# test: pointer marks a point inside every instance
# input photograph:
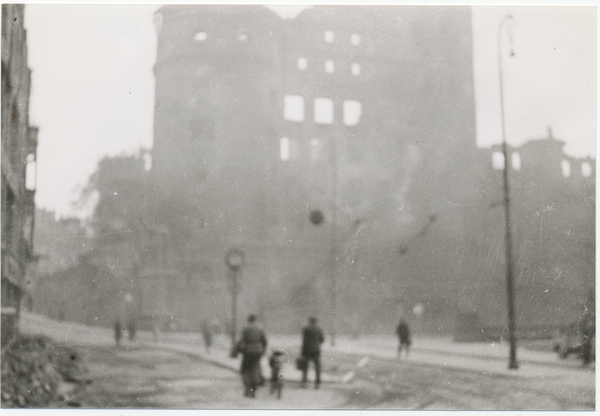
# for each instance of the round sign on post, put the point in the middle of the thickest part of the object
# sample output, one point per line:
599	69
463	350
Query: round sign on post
234	258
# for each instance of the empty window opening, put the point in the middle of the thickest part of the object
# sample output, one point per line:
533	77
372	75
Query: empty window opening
329	67
284	149
498	160
243	37
355	69
329	36
355	39
323	111
30	172
293	108
516	161
352	112
201	36
566	168
315	149
302	64
586	169
147	162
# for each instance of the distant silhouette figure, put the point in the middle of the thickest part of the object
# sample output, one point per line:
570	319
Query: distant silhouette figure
403	332
207	336
118	332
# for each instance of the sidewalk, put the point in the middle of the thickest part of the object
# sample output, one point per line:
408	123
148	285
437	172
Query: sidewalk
486	358
489	358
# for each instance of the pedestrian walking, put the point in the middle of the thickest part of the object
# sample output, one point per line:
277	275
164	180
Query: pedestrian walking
312	338
252	345
403	332
118	332
207	336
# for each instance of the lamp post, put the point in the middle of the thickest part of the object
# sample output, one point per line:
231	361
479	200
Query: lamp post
234	260
334	197
512	362
316	217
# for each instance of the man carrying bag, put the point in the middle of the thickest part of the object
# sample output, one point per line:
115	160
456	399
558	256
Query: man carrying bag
312	338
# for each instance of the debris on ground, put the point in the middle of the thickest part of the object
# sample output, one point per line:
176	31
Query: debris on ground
38	372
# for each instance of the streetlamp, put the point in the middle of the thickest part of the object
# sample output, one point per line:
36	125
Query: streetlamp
234	260
316	217
512	363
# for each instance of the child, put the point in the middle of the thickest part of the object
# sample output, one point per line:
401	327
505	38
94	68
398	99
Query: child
276	363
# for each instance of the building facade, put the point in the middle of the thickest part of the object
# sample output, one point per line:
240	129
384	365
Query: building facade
365	114
19	144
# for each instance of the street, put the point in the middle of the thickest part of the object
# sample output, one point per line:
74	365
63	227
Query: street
177	373
141	377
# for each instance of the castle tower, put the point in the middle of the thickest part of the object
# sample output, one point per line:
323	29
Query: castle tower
365	113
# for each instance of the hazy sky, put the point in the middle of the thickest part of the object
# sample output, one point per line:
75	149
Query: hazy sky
93	85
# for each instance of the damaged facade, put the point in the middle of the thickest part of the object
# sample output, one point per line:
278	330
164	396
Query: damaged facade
366	114
19	148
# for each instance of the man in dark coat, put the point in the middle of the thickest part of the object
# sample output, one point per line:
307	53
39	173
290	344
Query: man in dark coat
252	345
312	338
403	333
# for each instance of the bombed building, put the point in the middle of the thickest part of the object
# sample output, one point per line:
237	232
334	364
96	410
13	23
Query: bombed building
360	116
19	149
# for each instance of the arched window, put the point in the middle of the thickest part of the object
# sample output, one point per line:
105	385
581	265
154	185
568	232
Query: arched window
498	160
586	169
352	112
293	108
329	66
315	149
323	111
284	148
302	63
566	168
516	161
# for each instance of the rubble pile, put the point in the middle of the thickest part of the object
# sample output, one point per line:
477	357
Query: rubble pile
37	372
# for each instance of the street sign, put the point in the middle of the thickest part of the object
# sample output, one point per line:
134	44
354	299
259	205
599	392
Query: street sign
234	258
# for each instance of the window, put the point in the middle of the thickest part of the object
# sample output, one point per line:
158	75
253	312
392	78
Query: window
284	148
352	112
329	36
516	161
355	39
586	169
293	108
329	67
355	69
201	36
323	111
147	161
30	172
315	149
498	160
302	64
566	168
